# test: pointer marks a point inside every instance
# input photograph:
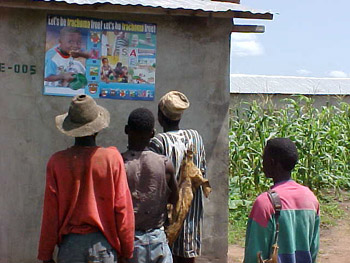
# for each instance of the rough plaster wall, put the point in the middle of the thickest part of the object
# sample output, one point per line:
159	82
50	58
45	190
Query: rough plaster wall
192	56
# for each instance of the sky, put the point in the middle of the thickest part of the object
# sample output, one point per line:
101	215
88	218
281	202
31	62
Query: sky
306	38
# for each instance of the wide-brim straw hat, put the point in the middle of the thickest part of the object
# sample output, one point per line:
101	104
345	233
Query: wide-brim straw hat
173	104
84	118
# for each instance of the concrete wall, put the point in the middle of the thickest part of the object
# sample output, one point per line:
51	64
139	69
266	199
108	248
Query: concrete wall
192	56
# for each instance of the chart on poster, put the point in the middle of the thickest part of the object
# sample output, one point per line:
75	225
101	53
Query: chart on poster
100	58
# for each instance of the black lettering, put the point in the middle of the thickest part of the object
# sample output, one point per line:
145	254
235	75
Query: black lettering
16	68
2	67
32	69
24	68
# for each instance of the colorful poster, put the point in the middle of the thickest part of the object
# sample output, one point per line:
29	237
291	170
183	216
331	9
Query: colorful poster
101	58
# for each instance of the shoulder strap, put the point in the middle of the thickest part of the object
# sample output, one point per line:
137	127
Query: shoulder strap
276	202
277	206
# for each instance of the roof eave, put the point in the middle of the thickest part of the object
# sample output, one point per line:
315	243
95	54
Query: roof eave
136	9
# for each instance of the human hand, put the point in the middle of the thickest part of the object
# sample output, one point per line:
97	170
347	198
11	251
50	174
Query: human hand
79	53
75	53
68	76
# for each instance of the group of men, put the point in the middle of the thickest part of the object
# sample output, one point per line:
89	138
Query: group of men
103	206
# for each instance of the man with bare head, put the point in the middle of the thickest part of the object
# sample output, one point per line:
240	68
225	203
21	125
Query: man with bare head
288	204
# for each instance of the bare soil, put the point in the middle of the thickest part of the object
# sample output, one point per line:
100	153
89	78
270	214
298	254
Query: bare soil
334	242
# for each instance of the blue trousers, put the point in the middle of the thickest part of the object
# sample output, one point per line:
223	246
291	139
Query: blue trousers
87	248
151	247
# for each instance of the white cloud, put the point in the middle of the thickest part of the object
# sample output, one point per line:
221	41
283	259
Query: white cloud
244	44
337	74
304	72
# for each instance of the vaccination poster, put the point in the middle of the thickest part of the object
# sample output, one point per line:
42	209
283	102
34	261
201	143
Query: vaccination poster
100	58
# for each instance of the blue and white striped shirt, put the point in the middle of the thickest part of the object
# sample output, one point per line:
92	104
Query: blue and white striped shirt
174	145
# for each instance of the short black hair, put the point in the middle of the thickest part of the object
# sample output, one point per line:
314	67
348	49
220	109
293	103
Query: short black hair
141	120
103	59
67	30
284	151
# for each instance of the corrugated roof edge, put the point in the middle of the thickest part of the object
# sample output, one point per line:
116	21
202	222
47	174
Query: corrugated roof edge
238	12
287	85
234	75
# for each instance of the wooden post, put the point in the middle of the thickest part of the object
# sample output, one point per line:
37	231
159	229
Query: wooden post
248	28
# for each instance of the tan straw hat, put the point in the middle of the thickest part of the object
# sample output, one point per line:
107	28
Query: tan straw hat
173	104
84	118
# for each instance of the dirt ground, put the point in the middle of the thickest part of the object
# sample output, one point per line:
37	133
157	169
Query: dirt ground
334	242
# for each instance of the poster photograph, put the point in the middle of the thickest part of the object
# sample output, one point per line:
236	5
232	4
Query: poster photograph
100	58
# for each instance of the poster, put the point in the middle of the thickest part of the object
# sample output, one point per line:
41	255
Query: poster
100	58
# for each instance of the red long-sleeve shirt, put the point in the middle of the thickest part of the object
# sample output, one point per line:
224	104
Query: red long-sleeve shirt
87	191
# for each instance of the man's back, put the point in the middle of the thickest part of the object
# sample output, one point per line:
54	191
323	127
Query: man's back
174	145
86	192
146	172
299	225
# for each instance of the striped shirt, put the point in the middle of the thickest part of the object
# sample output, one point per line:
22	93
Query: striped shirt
174	145
299	223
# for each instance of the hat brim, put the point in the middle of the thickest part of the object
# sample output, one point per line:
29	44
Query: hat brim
67	127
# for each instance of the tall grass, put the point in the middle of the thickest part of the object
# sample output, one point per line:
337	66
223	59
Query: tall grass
322	137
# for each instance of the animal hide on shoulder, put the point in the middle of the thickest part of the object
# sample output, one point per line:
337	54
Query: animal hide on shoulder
191	179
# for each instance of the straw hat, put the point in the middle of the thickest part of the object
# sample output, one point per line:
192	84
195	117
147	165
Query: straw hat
84	117
173	104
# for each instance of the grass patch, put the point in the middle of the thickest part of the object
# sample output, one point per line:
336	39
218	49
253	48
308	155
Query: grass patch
331	208
330	213
238	218
236	231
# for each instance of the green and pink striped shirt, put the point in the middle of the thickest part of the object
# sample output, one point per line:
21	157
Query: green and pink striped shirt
299	225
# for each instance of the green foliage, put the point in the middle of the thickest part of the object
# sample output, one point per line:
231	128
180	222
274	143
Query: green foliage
322	137
333	207
330	213
238	217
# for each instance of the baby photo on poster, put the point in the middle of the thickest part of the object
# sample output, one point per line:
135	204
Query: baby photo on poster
101	58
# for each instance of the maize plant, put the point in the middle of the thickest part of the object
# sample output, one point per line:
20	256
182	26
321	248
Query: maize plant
322	137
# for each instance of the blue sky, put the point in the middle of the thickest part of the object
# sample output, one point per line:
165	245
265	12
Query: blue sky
307	38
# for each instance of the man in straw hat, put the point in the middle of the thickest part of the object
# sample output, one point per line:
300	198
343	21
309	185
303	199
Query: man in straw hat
88	209
174	143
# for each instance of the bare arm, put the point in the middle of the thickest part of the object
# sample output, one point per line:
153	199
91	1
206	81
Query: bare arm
124	211
68	76
170	174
